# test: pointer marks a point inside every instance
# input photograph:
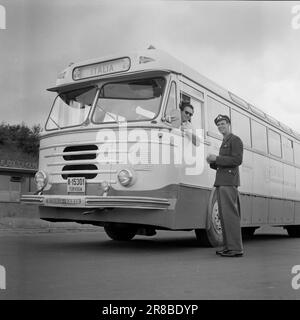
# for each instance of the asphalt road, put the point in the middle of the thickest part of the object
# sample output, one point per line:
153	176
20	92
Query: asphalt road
170	265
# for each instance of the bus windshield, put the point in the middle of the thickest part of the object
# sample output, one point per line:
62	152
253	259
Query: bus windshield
71	108
131	100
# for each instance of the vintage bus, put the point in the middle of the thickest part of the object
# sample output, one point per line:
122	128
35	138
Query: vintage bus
82	176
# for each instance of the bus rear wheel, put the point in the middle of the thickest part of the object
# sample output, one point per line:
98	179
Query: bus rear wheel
212	235
293	231
120	231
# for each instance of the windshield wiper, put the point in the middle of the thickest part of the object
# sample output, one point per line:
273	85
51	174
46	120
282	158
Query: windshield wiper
55	123
108	113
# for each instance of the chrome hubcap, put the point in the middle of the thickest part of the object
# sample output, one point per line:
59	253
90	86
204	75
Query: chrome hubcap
216	218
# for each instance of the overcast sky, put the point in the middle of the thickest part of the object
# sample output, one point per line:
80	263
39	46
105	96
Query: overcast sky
249	48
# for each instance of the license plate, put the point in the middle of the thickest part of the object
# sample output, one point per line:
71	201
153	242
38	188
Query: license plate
76	184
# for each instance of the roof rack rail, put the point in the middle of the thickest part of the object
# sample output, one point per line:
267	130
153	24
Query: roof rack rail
238	100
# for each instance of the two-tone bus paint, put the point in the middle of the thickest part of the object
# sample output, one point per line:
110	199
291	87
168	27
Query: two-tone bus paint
158	196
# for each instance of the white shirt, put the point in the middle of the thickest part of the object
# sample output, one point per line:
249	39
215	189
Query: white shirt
189	130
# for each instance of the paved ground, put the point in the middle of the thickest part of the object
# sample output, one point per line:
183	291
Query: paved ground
75	264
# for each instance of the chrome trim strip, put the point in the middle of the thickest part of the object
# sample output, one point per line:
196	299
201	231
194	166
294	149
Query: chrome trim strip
98	143
98	202
70	162
81	172
67	162
72	153
95	181
32	198
244	193
129	206
128	199
195	186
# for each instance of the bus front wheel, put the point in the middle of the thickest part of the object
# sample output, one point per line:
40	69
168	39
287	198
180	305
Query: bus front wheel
212	236
293	231
120	231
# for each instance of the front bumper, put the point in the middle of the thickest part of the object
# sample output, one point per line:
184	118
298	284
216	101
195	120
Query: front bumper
98	201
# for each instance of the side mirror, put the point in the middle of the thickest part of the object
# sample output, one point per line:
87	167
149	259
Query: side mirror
174	118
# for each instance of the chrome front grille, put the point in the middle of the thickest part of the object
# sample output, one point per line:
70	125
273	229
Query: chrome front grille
83	170
89	161
84	152
80	154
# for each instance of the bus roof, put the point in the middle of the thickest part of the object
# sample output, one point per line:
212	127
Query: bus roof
89	72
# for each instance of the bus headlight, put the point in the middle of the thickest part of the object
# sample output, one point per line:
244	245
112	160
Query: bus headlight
41	179
125	177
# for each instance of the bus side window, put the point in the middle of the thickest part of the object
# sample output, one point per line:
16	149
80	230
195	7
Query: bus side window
197	119
214	108
288	151
274	143
259	136
184	98
241	126
297	153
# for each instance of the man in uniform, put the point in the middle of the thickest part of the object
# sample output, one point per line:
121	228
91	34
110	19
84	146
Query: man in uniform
227	181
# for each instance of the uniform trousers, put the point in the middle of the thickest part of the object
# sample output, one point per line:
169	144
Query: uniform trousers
230	216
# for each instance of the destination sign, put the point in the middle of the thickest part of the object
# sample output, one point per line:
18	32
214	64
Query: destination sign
102	68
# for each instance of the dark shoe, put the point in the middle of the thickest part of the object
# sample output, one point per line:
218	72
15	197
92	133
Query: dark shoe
230	253
219	252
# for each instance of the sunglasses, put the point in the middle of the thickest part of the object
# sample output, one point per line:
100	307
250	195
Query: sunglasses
188	113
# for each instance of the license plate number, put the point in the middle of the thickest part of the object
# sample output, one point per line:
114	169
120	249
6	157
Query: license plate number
76	184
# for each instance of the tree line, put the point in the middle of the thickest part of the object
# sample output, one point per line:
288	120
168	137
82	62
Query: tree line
20	137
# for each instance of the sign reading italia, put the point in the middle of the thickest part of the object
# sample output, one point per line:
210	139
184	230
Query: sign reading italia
101	68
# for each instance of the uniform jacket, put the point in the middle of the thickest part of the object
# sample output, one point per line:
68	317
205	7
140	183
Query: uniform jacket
228	162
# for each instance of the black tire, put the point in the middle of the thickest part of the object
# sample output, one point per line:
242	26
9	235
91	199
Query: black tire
248	232
293	231
212	236
120	231
202	238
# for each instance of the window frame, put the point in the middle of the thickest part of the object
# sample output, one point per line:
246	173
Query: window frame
184	92
87	117
166	79
280	143
169	93
297	163
215	134
283	153
249	120
252	137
